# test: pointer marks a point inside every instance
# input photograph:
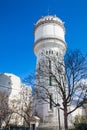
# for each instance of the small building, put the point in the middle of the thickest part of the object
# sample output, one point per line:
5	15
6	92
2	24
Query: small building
19	97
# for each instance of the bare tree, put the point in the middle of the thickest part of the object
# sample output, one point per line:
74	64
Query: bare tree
67	79
75	88
22	108
5	111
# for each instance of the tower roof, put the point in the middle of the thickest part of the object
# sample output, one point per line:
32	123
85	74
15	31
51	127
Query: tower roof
49	19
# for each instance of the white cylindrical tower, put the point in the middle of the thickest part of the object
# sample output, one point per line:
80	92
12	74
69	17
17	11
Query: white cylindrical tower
49	40
49	34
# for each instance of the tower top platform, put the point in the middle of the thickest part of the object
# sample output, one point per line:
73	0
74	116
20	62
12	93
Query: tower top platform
49	32
49	19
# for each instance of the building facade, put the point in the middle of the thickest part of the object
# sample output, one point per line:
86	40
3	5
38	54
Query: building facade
19	96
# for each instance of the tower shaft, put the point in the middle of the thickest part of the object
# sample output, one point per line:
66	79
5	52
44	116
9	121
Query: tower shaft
49	46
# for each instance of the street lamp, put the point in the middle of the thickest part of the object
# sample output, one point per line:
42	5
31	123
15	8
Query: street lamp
58	106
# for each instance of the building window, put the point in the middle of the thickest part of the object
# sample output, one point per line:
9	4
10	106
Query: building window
46	52
49	51
50	80
49	65
50	98
50	77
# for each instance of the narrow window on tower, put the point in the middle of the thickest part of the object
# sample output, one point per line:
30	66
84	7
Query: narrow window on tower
50	52
50	80
50	77
50	98
49	65
46	52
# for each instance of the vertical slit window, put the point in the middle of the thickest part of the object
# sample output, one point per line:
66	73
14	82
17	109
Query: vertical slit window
50	80
50	77
46	52
50	101
49	51
49	65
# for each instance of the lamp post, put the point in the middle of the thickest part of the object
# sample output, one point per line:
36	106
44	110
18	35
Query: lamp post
58	107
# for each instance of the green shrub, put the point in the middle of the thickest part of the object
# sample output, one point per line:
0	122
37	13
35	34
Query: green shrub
79	119
81	126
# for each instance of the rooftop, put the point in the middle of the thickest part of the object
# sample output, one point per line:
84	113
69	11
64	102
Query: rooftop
49	19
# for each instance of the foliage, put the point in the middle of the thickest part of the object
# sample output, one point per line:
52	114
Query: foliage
24	110
80	122
79	119
81	126
5	111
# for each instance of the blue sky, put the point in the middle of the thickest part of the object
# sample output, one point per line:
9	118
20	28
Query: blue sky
17	18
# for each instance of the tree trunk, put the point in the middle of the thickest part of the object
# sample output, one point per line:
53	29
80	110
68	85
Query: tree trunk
65	118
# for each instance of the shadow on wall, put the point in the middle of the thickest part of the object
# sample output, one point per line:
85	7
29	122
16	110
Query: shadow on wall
5	91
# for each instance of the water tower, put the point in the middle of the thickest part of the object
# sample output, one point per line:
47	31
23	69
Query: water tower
49	41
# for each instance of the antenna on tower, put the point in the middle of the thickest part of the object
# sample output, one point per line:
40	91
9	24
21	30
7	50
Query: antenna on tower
48	11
